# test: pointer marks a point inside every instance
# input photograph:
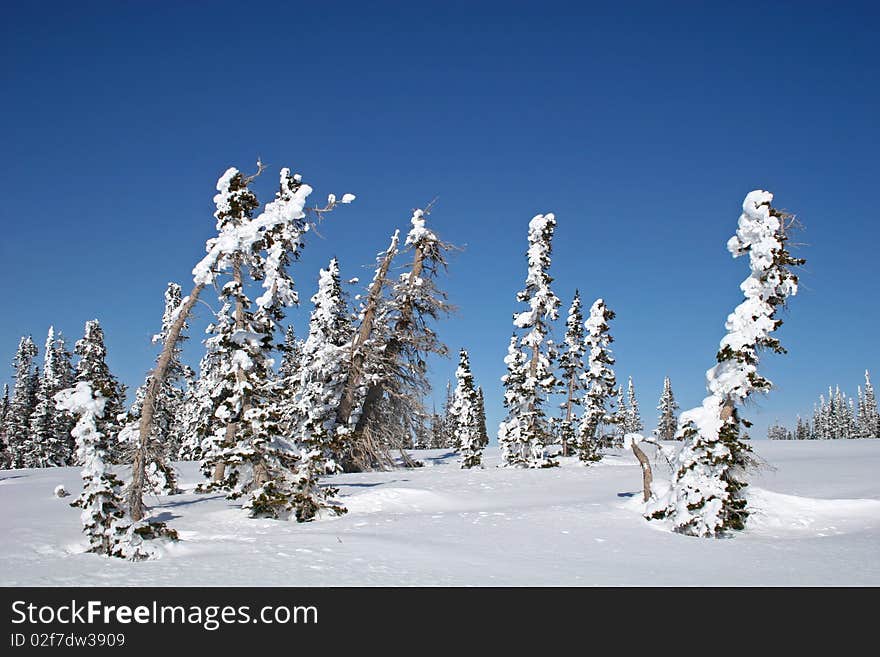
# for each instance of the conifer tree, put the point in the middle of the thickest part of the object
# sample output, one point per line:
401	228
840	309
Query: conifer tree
481	415
620	420
466	411
324	367
869	416
634	422
599	381
92	368
21	406
46	448
667	422
104	520
4	410
66	375
706	497
571	362
523	434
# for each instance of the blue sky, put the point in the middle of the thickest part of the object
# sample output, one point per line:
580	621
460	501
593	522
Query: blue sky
641	126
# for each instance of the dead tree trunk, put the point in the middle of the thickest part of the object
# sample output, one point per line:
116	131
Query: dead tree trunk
376	391
148	408
355	375
647	474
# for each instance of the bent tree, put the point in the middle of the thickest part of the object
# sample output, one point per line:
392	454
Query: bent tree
707	494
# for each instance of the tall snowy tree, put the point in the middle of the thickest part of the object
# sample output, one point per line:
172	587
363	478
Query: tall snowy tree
92	368
5	457
481	416
869	417
21	406
599	381
524	432
466	411
571	362
45	447
706	497
324	367
667	422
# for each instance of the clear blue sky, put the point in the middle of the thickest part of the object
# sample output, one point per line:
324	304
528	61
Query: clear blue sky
641	125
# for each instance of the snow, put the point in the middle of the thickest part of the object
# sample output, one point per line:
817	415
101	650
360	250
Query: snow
815	521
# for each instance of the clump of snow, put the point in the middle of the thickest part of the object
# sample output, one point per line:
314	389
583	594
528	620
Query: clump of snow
60	491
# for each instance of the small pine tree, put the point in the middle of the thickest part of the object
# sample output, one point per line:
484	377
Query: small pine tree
46	448
466	411
571	362
21	406
599	381
869	416
92	368
634	422
667	422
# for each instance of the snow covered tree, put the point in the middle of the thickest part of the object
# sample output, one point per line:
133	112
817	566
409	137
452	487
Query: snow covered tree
466	412
706	497
869	417
4	410
530	379
481	416
322	375
599	381
21	406
109	530
571	362
802	430
92	368
634	419
45	447
266	245
667	422
619	420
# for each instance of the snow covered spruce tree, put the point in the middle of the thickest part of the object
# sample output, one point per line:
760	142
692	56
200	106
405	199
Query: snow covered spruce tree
530	379
571	362
46	447
868	415
4	410
92	367
239	235
634	422
104	520
323	369
599	381
467	414
707	493
21	406
667	422
250	457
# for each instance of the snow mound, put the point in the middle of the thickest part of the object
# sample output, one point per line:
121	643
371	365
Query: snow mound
398	500
778	515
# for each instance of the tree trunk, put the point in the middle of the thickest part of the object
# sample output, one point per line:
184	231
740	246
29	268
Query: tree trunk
346	403
376	390
647	474
148	408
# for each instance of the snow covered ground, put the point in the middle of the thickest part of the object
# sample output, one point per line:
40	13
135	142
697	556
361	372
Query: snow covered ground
816	521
